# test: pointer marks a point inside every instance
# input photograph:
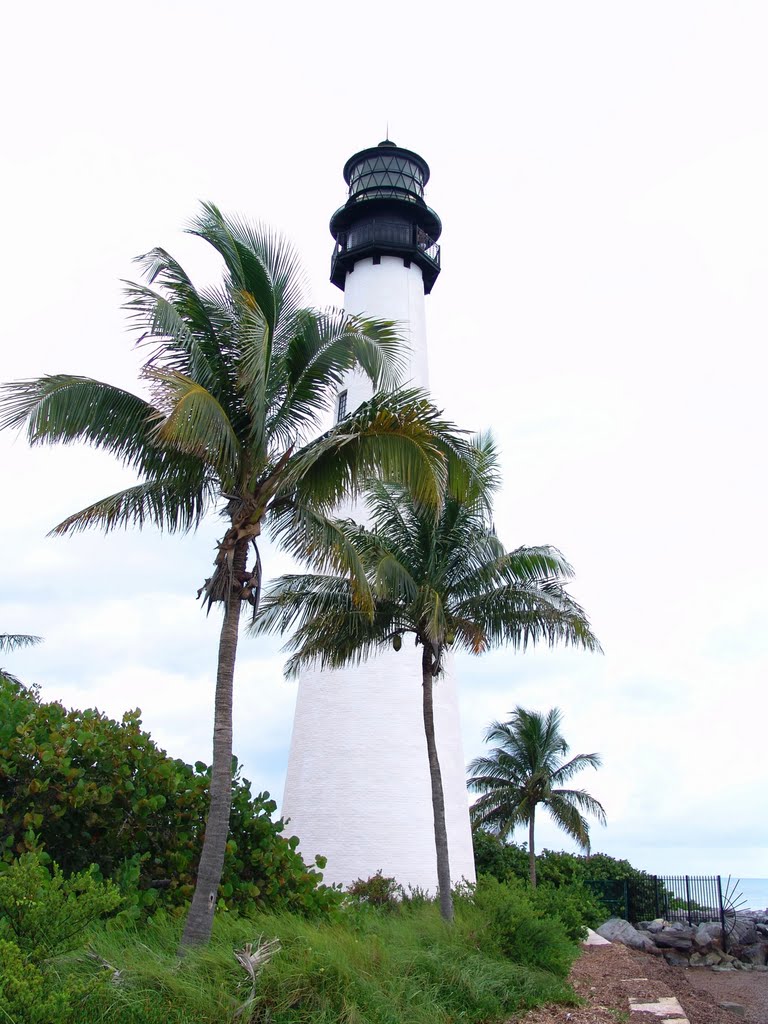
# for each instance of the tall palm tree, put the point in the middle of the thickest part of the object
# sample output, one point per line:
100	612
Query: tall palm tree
446	580
238	376
525	770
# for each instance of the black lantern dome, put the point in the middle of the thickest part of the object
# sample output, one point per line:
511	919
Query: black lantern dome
385	214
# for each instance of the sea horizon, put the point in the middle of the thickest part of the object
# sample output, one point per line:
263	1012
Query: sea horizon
747	893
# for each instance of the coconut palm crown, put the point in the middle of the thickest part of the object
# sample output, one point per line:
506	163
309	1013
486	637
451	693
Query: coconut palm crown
238	377
526	770
447	581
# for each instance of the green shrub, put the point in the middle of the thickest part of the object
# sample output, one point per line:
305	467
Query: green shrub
516	926
94	791
554	867
46	914
573	905
495	857
377	891
26	995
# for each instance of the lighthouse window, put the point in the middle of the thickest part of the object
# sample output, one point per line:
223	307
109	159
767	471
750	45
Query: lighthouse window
385	172
341	406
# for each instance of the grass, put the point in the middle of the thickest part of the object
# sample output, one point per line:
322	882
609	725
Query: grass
365	967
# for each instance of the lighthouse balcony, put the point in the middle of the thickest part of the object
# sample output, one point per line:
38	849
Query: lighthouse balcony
380	236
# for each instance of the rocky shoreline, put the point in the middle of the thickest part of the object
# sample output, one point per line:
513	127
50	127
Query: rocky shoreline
744	947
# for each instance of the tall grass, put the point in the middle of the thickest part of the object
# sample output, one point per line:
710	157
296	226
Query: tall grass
365	967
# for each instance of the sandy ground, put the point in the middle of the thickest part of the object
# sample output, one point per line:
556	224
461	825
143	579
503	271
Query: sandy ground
606	976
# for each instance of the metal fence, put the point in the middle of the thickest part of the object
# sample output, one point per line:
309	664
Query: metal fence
689	898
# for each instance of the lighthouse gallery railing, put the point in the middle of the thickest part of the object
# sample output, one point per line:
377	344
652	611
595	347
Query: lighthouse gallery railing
386	233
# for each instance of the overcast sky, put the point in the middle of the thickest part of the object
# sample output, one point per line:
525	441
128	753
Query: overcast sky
601	170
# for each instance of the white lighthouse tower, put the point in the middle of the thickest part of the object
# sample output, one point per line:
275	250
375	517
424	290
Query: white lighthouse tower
357	789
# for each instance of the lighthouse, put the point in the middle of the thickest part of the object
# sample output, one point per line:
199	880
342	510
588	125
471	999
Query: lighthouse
357	789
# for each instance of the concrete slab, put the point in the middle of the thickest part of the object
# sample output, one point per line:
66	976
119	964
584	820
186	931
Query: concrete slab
666	1007
593	939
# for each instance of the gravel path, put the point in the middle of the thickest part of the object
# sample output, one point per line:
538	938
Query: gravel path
606	976
745	987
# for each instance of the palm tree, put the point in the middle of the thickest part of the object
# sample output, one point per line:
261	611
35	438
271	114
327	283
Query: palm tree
448	581
525	770
238	376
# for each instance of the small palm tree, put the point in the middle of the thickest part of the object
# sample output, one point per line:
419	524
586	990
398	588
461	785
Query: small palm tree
448	581
238	376
525	770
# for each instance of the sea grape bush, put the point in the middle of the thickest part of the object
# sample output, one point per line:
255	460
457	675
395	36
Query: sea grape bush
99	795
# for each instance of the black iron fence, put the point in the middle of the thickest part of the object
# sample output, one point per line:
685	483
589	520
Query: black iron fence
688	898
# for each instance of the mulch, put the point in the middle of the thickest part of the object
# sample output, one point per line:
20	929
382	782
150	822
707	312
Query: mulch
604	977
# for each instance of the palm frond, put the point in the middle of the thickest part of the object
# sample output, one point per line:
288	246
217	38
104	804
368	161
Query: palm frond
324	347
567	818
253	363
329	627
167	504
166	327
195	423
398	436
583	800
324	543
14	641
259	261
575	765
62	408
520	615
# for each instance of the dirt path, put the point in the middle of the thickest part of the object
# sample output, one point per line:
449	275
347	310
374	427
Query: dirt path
607	976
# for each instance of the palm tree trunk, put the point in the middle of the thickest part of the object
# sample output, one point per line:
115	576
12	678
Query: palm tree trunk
438	801
531	850
197	930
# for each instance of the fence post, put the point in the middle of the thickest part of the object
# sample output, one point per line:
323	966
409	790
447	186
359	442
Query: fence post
722	913
688	897
656	894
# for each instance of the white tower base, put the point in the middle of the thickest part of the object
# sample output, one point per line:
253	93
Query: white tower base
358	788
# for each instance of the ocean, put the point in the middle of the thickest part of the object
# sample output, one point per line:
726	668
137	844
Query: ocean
753	892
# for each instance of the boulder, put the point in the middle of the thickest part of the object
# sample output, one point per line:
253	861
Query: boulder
675	958
616	929
652	926
756	953
675	937
708	934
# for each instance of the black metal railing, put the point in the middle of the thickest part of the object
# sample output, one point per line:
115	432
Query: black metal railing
389	234
690	898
